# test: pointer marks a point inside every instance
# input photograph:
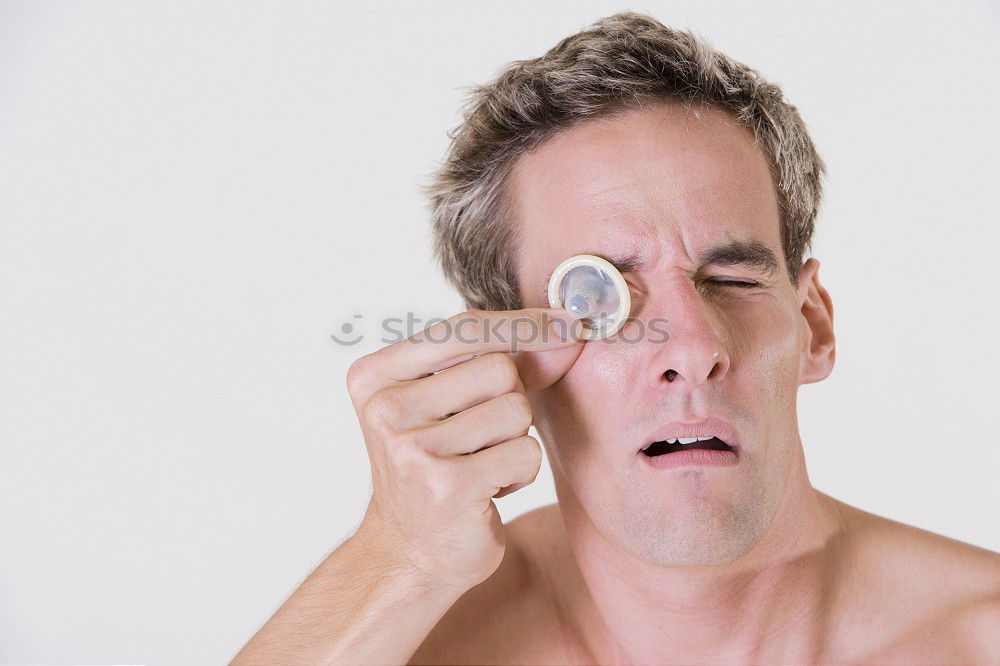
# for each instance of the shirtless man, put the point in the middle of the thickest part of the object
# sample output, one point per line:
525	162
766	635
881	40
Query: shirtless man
634	142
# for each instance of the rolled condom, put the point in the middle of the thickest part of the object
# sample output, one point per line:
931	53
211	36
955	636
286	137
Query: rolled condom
593	291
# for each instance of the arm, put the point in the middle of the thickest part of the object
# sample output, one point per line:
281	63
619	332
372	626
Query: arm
361	605
445	424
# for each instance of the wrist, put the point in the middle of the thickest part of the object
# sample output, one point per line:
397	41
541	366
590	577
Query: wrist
403	563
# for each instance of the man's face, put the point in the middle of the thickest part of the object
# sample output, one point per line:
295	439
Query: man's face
660	188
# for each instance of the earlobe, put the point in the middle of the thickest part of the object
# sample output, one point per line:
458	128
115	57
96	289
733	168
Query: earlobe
819	343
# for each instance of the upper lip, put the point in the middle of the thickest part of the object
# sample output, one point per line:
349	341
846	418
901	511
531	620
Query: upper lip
710	426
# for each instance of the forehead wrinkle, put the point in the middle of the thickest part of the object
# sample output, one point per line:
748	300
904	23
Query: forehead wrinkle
664	200
633	231
608	193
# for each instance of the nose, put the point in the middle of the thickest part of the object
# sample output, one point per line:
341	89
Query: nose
694	350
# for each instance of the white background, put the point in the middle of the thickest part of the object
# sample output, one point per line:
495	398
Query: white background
192	199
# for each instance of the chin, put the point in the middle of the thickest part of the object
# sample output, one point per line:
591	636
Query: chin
692	536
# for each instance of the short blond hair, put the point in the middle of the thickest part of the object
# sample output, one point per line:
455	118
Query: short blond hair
620	62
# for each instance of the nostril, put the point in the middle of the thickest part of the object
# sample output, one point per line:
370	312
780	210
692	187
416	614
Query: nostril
719	367
670	375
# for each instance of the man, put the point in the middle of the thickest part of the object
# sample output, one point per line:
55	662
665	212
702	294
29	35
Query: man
690	173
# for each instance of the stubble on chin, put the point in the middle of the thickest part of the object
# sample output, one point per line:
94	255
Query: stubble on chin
698	528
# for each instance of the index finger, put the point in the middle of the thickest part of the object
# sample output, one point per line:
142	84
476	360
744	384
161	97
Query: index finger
476	332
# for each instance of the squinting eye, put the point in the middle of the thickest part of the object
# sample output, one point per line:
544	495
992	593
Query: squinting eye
736	283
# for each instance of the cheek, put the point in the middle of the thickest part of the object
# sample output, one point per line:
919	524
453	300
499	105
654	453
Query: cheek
589	404
768	353
605	372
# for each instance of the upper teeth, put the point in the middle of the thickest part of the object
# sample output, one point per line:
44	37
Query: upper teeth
688	440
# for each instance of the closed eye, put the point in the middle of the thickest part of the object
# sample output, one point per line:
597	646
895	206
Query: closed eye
740	284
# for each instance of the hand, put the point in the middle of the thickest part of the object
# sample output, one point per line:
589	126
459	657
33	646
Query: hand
445	418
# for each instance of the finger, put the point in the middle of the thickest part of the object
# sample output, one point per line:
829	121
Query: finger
541	369
474	333
516	461
420	402
497	420
513	488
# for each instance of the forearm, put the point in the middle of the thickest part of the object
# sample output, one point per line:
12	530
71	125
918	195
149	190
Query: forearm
360	606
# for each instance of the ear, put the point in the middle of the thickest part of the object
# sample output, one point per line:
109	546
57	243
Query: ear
818	342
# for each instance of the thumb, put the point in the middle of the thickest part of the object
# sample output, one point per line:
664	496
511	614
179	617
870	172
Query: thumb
541	369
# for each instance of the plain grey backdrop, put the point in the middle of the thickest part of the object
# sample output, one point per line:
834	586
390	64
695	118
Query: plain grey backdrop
194	197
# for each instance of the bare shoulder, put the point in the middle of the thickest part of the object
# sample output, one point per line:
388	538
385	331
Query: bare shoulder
511	616
932	595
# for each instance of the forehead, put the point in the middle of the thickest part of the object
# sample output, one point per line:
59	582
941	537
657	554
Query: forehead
661	182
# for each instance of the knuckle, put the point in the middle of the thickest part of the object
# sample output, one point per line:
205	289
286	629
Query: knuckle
371	414
518	408
408	463
436	331
468	324
381	409
531	451
412	441
443	486
392	401
503	370
429	478
363	375
357	372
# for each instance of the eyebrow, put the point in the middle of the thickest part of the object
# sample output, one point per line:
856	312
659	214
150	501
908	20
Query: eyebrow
751	254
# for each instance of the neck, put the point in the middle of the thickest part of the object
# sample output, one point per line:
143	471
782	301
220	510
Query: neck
768	605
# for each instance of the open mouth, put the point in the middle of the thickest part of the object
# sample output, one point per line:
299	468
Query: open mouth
667	446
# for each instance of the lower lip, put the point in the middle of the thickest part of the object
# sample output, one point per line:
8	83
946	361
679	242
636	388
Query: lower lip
691	458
